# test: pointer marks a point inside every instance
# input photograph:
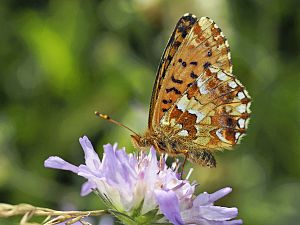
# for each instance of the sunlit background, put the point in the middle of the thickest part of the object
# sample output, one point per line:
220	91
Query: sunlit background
61	60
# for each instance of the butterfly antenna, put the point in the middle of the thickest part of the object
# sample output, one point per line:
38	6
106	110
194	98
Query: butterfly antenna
106	117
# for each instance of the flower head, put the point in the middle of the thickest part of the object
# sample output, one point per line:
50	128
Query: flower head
142	189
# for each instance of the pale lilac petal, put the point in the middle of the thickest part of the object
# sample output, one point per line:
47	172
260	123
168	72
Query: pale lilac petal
152	166
208	213
152	153
91	157
216	212
87	188
56	162
207	199
233	222
117	174
127	172
109	162
169	206
87	173
200	221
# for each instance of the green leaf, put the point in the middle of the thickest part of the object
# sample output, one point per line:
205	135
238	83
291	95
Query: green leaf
123	218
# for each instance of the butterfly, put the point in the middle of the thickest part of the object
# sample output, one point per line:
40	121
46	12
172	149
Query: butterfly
197	106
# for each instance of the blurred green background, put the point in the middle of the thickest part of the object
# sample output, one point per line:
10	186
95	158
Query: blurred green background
61	60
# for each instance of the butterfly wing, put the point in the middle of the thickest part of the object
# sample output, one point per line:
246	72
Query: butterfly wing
182	28
194	46
211	114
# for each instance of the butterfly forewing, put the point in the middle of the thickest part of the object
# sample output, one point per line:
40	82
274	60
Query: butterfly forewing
203	46
182	29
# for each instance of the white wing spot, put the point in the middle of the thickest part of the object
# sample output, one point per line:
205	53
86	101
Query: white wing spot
241	95
164	122
214	70
232	84
173	124
221	76
241	108
182	103
220	136
190	105
203	90
200	116
237	135
201	86
183	133
199	83
241	122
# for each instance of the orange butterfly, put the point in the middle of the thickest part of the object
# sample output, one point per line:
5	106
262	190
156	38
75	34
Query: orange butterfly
197	105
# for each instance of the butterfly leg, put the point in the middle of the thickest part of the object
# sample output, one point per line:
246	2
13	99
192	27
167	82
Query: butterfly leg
185	152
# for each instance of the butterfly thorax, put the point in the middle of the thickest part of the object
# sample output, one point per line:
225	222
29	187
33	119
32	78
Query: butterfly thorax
162	142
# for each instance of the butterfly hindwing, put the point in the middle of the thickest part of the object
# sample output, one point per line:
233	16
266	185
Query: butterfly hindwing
212	113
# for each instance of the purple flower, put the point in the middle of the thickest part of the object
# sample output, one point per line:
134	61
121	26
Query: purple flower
140	188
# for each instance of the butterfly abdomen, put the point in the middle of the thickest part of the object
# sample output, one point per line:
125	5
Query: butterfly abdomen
202	157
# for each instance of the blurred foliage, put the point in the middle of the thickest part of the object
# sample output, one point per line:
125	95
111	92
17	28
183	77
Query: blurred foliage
61	60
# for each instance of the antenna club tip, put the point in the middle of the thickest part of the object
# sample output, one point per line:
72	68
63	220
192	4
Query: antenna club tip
103	116
106	117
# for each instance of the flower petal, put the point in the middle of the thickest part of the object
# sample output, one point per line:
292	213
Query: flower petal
233	222
56	162
211	214
169	206
110	163
201	221
87	188
207	199
91	157
216	212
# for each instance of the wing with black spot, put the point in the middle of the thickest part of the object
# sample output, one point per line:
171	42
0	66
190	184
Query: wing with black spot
182	28
194	46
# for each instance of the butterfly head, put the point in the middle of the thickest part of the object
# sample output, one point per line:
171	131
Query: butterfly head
140	142
150	139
